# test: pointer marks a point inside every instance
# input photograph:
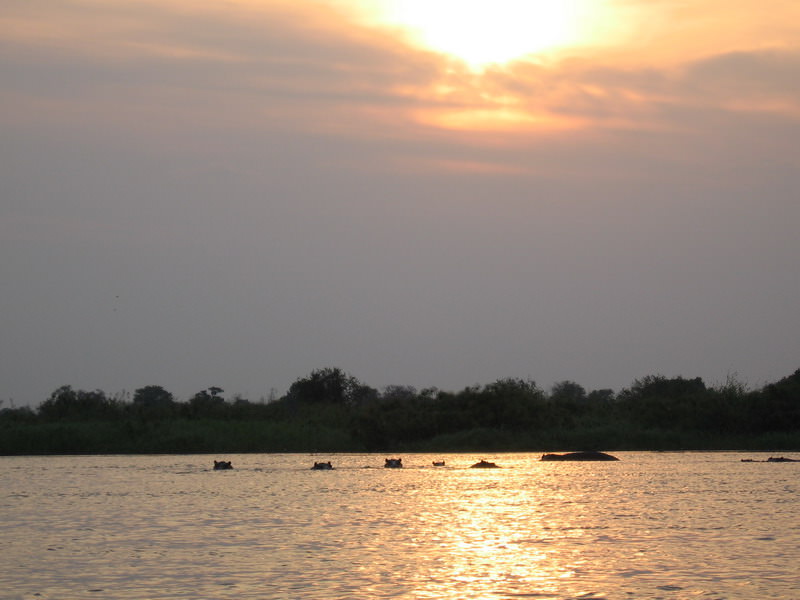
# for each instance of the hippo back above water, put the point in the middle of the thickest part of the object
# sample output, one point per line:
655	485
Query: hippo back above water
579	456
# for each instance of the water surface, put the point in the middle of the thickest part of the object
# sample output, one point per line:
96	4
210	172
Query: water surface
654	525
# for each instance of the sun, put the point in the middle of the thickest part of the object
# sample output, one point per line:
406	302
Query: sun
483	32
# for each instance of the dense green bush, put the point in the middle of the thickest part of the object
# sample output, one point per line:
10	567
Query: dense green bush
331	411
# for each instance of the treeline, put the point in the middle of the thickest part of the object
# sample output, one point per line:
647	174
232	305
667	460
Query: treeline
332	411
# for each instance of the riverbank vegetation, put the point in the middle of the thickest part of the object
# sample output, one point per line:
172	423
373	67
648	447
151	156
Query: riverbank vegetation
332	411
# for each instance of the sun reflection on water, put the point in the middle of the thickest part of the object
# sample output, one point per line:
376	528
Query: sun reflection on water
646	527
487	539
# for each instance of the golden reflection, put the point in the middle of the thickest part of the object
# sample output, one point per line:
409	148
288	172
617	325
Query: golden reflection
496	542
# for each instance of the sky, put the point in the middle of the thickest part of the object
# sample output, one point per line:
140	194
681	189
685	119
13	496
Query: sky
200	193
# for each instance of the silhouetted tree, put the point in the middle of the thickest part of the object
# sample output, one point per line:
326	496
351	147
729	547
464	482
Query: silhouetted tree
207	404
154	402
603	397
508	403
658	386
399	392
152	396
21	414
66	403
567	392
777	406
665	403
330	386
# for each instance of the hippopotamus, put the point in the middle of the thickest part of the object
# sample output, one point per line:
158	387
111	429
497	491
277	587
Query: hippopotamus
579	456
394	463
222	464
484	464
322	466
438	463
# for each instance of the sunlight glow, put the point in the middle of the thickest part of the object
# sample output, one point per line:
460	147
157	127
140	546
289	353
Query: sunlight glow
495	119
481	33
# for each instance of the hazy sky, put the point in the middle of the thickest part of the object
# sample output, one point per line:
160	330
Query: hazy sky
234	193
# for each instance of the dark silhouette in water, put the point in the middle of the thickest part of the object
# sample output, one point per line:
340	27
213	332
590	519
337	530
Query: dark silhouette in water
322	466
438	463
394	463
772	459
484	464
579	456
220	465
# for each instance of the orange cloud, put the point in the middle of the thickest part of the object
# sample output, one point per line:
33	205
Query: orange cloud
312	67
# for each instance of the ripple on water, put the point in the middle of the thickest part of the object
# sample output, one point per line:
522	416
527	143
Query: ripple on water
651	526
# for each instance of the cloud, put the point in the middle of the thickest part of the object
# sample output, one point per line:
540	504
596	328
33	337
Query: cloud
255	65
759	81
299	67
601	92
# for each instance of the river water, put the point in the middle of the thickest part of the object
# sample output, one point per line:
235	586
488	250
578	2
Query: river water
653	525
